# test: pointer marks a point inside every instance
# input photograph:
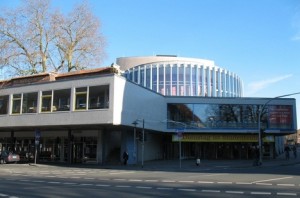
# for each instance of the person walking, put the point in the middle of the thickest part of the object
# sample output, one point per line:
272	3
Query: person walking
125	157
287	152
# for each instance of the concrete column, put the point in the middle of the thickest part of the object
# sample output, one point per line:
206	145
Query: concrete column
99	157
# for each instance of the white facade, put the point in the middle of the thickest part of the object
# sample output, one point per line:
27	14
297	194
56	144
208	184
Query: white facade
178	76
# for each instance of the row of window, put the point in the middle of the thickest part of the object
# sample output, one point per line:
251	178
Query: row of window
229	116
186	80
85	98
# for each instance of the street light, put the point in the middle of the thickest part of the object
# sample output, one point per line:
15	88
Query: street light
143	137
259	125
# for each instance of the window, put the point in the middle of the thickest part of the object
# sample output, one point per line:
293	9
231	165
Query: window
81	98
29	102
46	101
16	103
3	104
61	100
99	97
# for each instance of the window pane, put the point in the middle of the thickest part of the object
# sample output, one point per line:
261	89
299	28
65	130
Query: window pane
29	102
61	100
99	97
46	101
81	94
3	104
16	106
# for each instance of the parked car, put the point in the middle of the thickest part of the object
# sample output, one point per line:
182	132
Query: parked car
9	157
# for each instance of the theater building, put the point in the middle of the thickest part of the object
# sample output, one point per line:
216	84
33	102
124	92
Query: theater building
93	116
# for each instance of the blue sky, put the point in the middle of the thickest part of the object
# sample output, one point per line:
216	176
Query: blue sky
259	40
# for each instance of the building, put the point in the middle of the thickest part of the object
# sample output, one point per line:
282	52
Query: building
93	116
179	76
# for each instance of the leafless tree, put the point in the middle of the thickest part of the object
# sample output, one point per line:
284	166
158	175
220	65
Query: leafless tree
35	38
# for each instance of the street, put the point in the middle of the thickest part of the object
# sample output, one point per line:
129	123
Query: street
23	180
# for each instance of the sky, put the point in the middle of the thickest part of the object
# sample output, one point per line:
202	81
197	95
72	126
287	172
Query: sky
259	40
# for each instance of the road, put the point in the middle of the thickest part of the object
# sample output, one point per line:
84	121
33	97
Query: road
23	180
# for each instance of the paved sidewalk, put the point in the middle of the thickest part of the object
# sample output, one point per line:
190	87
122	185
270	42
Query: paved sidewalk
190	165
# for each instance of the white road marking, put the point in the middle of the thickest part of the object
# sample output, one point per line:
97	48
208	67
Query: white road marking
103	185
88	178
287	194
123	186
260	193
115	173
224	182
135	180
187	189
53	182
151	180
235	192
212	175
186	181
164	188
205	182
264	184
168	181
211	191
243	183
280	178
144	187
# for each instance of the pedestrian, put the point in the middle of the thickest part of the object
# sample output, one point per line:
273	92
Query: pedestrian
125	157
295	151
287	152
256	157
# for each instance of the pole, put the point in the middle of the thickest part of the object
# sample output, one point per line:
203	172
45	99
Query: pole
180	153
259	125
143	142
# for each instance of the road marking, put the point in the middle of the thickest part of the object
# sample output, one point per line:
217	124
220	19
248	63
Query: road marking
186	181
119	179
260	193
204	182
123	186
224	182
285	184
144	187
235	192
115	173
187	189
243	183
69	183
264	184
287	194
38	181
211	191
168	181
151	180
135	180
103	185
211	175
280	178
85	184
53	182
88	178
75	177
164	188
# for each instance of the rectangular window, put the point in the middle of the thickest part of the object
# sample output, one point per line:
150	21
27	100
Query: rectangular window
4	104
46	101
99	97
16	103
81	98
61	100
148	75
154	78
29	102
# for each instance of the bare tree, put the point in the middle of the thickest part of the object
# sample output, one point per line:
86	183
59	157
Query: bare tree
35	39
78	39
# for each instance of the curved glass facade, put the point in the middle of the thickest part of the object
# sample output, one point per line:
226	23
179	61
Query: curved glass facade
186	79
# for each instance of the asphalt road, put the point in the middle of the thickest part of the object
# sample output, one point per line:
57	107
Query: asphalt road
23	180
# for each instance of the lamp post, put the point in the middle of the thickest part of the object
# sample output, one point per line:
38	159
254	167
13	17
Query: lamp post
259	125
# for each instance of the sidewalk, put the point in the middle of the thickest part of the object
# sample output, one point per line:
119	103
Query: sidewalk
190	165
